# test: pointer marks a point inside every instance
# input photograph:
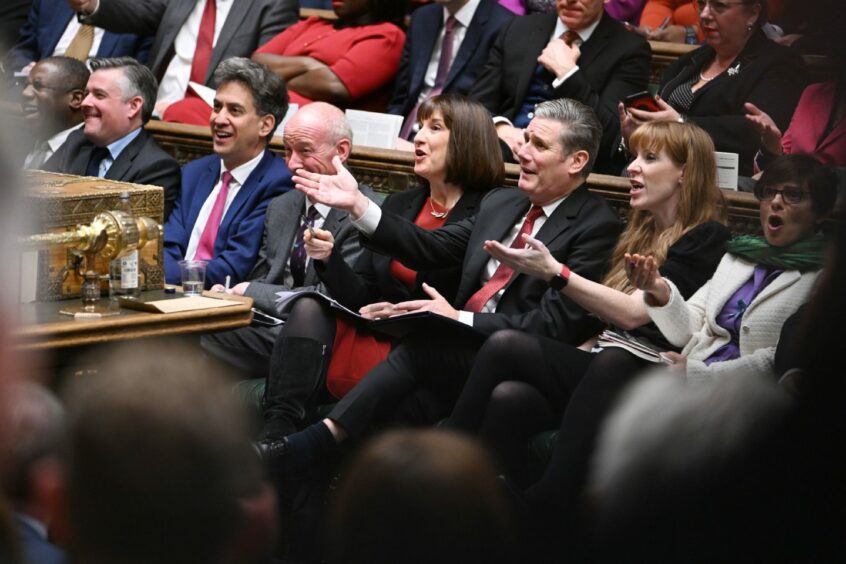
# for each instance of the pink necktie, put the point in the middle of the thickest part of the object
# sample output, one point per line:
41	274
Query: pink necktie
444	63
205	41
205	249
503	272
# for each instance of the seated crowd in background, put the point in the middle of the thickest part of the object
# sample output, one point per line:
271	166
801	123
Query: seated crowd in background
531	277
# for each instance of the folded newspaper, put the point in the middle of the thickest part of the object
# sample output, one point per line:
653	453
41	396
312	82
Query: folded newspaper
632	344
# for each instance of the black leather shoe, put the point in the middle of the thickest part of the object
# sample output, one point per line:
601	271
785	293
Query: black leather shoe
272	450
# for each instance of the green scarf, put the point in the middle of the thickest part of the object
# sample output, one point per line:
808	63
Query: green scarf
804	255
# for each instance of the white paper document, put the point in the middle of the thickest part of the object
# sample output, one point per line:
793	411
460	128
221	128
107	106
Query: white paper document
373	129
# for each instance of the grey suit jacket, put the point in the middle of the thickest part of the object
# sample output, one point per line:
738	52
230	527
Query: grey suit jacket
250	24
280	228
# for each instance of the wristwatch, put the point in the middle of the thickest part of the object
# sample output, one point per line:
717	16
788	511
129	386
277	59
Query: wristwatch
559	281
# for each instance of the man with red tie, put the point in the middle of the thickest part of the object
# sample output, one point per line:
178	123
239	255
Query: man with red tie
219	215
192	37
552	204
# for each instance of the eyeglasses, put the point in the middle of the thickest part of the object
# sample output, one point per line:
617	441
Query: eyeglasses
789	194
716	6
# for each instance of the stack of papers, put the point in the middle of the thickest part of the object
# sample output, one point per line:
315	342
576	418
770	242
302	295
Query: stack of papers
632	344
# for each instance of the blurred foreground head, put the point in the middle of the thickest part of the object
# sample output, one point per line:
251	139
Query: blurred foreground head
159	460
420	496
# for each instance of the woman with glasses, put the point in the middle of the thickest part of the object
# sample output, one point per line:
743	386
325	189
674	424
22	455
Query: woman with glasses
710	85
731	323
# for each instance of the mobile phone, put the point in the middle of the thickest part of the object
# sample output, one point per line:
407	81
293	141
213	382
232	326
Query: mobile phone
641	101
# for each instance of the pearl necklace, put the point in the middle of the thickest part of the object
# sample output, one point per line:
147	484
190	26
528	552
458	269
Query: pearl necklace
704	79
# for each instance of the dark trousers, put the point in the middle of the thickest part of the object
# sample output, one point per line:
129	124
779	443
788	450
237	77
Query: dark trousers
522	384
247	348
417	384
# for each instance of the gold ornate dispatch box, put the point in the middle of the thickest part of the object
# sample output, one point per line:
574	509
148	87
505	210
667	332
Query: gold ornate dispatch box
59	202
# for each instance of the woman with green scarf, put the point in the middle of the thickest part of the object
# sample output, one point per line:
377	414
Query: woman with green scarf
733	322
729	326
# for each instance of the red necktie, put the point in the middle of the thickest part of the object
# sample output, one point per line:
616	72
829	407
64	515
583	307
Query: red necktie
444	63
205	39
503	272
205	249
570	37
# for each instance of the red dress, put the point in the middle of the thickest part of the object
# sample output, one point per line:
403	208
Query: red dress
365	58
355	350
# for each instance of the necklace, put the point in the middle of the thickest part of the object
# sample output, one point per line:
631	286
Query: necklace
705	79
436	213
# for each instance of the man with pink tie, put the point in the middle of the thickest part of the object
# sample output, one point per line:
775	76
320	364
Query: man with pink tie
219	215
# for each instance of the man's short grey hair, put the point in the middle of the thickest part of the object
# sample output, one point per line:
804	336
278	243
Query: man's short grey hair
582	130
139	81
270	94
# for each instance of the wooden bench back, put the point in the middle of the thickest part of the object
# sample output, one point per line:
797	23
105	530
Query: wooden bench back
389	171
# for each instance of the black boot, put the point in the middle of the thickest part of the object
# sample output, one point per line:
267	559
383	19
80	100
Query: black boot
294	385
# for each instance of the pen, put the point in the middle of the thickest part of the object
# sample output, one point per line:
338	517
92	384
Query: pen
304	219
226	284
664	23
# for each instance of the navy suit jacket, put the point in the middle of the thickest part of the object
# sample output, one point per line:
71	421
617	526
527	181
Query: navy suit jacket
45	25
240	234
423	34
36	549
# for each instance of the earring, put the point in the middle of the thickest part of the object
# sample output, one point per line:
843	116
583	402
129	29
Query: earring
749	28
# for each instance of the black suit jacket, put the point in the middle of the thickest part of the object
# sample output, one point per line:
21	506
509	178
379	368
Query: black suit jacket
249	25
371	281
614	63
141	162
423	33
767	74
581	232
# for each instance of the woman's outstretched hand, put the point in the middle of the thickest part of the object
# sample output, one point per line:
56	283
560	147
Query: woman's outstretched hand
339	190
642	273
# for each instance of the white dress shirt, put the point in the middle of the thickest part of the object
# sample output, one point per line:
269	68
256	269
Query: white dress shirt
463	16
45	149
175	79
240	174
70	33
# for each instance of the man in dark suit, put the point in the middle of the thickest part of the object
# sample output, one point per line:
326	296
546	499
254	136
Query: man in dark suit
182	48
219	215
113	144
538	57
35	420
313	136
51	28
473	29
12	18
52	105
552	204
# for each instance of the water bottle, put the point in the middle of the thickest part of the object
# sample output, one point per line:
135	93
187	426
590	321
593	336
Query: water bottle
123	271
